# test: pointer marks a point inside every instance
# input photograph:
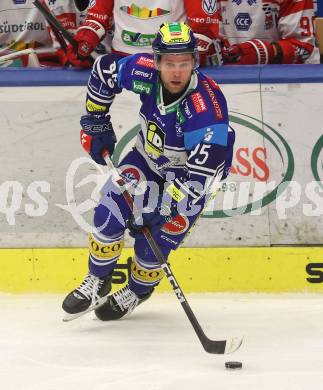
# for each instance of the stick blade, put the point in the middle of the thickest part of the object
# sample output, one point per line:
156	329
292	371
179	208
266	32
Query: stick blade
224	346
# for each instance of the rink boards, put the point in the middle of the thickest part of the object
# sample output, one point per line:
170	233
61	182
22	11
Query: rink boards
293	269
263	232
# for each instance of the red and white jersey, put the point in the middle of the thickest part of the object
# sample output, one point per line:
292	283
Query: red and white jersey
203	16
135	21
67	13
21	27
269	20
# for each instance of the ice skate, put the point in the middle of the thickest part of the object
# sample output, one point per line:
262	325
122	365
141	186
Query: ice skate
120	303
91	294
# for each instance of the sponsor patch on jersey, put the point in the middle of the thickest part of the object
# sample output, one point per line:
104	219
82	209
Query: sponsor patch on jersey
137	39
143	274
243	21
187	109
199	102
177	225
104	251
175	193
214	100
209	6
141	73
141	87
143	12
133	175
155	140
19	1
93	107
146	62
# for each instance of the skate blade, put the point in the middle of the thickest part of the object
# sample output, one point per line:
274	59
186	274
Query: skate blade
70	317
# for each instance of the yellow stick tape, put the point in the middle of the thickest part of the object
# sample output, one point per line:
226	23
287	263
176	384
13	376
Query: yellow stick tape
278	269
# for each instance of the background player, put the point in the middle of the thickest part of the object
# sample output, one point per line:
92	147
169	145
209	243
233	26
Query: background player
183	148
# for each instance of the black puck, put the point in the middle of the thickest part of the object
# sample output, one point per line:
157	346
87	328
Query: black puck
233	365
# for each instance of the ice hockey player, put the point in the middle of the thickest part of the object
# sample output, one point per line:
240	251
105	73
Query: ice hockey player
270	32
134	26
184	146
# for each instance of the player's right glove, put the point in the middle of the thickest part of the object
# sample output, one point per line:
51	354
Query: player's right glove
87	37
255	51
97	137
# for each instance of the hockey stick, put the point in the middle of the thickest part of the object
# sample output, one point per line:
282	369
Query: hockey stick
56	25
211	346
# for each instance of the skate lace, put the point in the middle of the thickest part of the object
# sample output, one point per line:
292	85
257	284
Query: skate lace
126	299
90	287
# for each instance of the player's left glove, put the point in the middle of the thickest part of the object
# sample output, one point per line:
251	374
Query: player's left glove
251	52
97	137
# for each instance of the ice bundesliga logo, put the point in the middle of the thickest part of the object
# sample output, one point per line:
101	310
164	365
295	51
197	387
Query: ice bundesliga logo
317	161
262	168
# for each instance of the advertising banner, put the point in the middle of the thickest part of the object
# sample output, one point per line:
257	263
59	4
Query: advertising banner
273	196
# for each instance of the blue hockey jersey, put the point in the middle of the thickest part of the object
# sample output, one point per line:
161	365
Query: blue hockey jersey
191	133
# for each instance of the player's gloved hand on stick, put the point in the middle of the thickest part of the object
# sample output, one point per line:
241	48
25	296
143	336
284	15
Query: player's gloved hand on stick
97	137
78	55
251	52
210	52
153	219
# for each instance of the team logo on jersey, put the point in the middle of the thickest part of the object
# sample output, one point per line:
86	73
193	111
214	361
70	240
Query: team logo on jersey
19	1
242	21
177	225
155	140
134	176
144	12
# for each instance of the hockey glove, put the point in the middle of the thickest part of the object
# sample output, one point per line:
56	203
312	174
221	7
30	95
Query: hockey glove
88	37
97	137
209	50
255	51
152	219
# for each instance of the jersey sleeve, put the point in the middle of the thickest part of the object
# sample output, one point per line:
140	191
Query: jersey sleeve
111	73
295	25
207	138
99	17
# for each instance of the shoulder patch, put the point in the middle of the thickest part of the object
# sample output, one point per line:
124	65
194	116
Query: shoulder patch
199	102
146	62
215	103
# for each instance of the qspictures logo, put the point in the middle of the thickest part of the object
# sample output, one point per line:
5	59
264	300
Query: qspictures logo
262	169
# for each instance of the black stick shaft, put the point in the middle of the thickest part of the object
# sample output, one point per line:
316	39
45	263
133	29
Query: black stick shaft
55	24
211	346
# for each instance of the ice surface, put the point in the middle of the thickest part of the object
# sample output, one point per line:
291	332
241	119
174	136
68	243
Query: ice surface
156	348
